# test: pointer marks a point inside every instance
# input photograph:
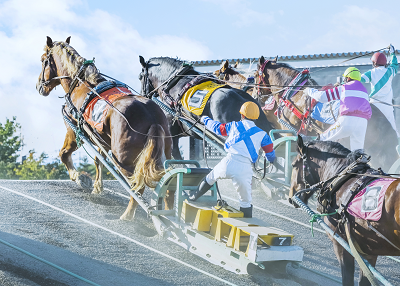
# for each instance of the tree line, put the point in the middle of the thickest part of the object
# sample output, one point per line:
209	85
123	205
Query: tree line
33	166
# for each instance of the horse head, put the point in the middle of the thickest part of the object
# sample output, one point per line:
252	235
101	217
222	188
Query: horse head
261	77
223	72
317	161
299	169
146	85
235	76
60	64
49	77
156	71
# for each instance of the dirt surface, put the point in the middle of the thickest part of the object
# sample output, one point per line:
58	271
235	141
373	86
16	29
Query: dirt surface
108	251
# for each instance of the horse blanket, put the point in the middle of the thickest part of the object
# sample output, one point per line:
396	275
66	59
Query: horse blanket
195	99
97	108
368	203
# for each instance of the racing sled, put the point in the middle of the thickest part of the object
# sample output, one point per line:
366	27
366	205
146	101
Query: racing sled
220	235
217	234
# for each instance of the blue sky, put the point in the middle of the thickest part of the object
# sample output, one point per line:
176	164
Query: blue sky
117	32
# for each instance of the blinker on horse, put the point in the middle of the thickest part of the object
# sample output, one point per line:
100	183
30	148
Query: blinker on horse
321	161
137	153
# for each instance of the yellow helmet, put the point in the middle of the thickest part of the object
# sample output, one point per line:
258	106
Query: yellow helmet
352	73
250	110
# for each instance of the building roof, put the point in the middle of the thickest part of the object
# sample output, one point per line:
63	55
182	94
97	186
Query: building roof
290	58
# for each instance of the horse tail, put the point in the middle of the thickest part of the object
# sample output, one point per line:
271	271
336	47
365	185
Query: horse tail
149	169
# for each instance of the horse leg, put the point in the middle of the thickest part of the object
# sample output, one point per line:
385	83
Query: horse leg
346	261
169	198
98	183
131	209
66	151
363	280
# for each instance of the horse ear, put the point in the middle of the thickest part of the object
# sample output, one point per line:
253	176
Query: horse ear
275	59
225	66
142	61
236	64
300	144
49	42
68	40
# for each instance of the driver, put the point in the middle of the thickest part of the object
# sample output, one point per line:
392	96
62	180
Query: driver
381	77
244	141
354	110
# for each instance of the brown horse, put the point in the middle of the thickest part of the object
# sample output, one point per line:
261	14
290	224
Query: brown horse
277	75
272	77
323	160
233	77
137	152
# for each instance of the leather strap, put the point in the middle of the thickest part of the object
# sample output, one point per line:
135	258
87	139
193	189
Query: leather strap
360	261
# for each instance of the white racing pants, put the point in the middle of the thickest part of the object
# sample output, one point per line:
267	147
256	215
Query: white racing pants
389	113
239	169
347	126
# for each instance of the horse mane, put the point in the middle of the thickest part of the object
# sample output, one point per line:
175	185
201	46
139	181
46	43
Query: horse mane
72	62
166	66
170	61
332	149
283	72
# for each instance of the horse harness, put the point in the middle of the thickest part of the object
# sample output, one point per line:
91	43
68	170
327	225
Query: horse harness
77	115
326	190
245	87
46	62
285	101
166	86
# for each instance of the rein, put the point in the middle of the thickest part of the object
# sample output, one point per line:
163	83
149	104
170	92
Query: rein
43	82
323	185
284	100
353	58
76	114
261	74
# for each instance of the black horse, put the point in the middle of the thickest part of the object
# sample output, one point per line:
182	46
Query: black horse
321	161
223	105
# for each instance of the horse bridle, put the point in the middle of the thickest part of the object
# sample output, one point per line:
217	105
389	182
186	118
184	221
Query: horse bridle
44	83
261	73
306	166
168	83
148	86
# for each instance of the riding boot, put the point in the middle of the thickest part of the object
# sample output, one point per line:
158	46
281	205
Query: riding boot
203	188
247	212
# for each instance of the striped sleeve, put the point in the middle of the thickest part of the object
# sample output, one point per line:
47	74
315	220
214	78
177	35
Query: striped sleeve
217	127
266	144
325	95
366	77
394	66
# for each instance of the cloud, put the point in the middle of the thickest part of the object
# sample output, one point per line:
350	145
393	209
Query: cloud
356	29
243	16
115	44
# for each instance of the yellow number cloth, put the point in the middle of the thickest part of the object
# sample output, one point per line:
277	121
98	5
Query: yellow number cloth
195	99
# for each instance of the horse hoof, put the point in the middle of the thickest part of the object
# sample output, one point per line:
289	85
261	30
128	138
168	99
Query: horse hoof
97	189
126	217
84	182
